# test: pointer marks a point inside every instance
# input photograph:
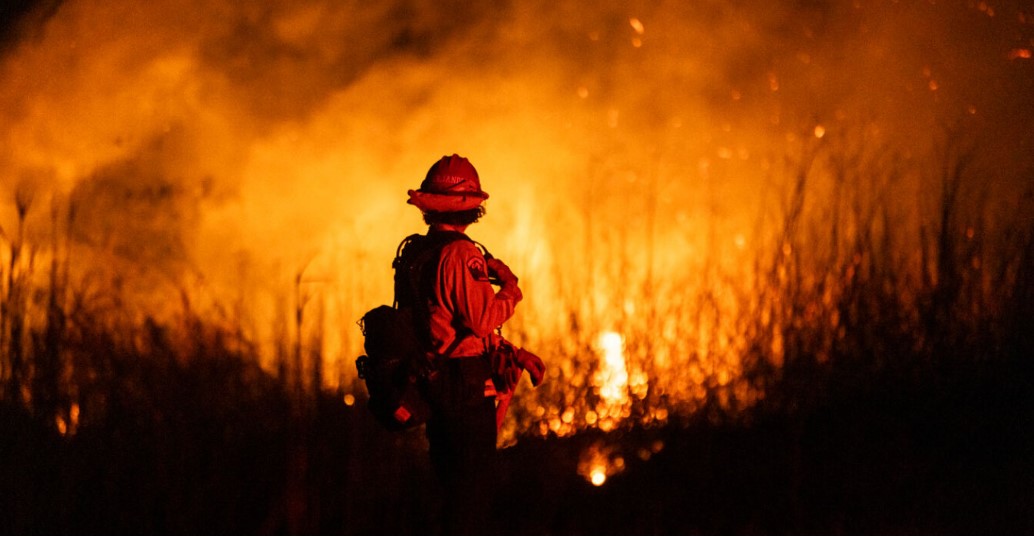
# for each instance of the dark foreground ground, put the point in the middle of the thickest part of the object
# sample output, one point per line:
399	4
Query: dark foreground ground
943	457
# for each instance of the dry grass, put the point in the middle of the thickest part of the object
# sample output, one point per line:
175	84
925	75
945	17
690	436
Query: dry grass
875	289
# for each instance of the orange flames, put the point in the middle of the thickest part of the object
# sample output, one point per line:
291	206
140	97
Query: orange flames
667	197
599	463
1017	53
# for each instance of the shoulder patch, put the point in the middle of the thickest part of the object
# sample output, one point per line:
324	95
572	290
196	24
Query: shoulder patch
476	266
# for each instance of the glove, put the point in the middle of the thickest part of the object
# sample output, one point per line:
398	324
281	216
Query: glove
532	364
500	270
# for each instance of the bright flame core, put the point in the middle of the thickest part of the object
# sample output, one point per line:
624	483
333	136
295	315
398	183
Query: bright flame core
600	461
612	377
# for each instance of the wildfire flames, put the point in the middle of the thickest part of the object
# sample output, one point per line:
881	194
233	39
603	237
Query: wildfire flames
678	186
598	463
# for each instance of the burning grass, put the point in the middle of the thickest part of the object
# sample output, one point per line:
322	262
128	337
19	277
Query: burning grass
860	318
779	261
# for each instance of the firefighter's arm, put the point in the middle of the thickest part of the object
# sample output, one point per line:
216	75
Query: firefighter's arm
475	301
506	278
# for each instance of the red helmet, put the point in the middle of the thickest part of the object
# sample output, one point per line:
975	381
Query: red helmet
451	185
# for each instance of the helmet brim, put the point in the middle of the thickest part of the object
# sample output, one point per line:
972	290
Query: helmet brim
446	203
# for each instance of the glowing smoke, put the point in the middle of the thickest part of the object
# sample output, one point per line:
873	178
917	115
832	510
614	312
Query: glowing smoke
226	150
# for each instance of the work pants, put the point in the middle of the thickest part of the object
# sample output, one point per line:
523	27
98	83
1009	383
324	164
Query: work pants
462	436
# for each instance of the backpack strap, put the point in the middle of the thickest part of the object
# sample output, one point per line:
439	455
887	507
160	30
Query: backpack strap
410	272
413	241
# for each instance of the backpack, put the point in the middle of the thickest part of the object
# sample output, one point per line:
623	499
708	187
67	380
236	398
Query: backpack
397	358
390	368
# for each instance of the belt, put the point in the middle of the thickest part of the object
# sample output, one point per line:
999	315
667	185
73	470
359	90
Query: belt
463	365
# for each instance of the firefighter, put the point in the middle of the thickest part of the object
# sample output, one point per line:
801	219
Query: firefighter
462	311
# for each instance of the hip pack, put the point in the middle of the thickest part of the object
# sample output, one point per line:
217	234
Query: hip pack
392	368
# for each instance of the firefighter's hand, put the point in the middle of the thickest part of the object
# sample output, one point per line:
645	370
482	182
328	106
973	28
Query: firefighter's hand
532	364
499	269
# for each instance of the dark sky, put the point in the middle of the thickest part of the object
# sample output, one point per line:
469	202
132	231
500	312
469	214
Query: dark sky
15	14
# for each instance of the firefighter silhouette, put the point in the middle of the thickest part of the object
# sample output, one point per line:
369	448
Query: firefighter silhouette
458	311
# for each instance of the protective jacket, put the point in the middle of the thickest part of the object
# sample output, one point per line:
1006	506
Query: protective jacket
464	305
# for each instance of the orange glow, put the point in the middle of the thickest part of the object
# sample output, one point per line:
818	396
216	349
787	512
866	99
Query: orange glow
637	25
251	171
612	376
68	425
599	462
